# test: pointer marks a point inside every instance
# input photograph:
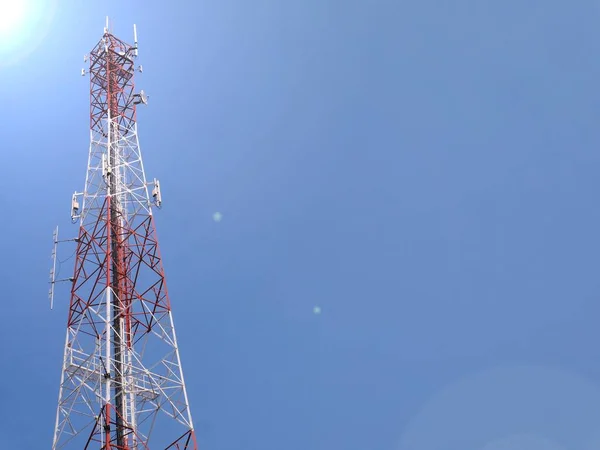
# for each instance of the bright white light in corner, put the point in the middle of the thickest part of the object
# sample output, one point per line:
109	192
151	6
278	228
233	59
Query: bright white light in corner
12	15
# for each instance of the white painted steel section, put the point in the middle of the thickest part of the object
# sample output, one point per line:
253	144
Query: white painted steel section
187	404
132	190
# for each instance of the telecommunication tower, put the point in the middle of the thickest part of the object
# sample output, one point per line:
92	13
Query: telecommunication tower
122	384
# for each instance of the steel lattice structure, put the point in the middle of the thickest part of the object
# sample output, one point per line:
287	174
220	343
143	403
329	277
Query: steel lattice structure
122	385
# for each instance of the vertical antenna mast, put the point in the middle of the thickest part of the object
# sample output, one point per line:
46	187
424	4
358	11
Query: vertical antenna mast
53	270
135	44
122	384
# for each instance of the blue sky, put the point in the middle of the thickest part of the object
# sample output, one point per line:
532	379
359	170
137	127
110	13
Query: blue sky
424	171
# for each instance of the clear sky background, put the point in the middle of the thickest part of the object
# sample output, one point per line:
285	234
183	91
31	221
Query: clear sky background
425	171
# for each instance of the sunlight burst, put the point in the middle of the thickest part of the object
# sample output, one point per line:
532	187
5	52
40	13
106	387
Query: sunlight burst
12	16
24	24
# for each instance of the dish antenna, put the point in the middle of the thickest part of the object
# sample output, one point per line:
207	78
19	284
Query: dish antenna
142	97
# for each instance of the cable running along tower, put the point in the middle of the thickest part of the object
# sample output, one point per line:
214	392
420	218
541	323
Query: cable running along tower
122	385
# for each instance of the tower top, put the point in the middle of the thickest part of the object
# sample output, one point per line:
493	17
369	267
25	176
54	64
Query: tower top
107	30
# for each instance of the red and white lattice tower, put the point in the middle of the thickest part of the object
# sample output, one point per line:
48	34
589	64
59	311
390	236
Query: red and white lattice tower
122	384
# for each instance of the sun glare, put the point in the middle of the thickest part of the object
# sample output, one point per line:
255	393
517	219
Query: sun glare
12	16
24	24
